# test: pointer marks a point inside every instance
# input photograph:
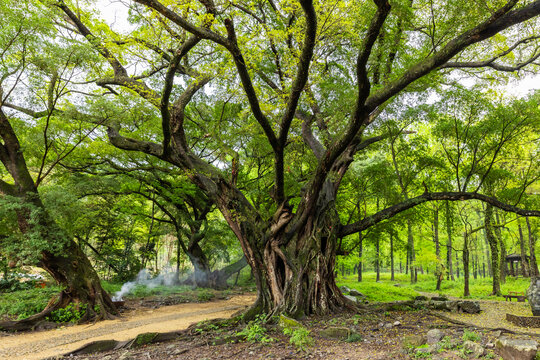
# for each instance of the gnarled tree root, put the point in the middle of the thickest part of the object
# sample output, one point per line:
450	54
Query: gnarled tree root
138	341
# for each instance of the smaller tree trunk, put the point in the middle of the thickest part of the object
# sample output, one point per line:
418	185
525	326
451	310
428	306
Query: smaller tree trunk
523	252
392	257
360	247
449	266
466	291
532	249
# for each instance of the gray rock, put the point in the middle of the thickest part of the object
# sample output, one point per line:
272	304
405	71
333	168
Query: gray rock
469	307
475	350
388	326
516	349
434	336
286	322
421	298
397	285
354	292
344	289
339	333
497	333
490	345
352	298
439	305
452	306
397	323
413	341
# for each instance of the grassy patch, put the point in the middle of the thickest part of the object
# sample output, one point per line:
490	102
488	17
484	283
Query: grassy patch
24	303
379	292
386	291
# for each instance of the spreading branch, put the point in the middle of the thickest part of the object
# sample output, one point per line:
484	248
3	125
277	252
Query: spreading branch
425	197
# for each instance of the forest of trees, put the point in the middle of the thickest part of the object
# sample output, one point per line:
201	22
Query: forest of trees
302	138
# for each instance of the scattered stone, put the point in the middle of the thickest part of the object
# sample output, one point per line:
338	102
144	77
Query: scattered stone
286	322
439	298
497	333
381	324
516	349
475	350
490	345
355	292
397	285
340	333
180	351
413	341
434	348
388	326
352	298
344	289
397	323
469	307
434	336
421	298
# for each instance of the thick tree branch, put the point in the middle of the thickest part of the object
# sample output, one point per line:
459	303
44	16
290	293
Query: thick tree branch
499	21
425	197
183	23
248	86
167	89
299	82
120	74
126	143
179	107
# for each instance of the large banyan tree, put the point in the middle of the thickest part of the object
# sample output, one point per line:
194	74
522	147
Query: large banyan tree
265	105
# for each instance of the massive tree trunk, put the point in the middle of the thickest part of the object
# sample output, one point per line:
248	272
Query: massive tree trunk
293	270
493	245
68	265
62	258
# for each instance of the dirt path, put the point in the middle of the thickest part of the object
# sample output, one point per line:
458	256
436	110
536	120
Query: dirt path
44	344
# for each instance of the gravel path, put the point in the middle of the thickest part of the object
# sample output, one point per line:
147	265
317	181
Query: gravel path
44	344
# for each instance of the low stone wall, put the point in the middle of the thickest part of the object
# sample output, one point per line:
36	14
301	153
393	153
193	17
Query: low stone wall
524	321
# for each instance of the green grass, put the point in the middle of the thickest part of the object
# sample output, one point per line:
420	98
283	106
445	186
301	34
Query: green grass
386	291
379	292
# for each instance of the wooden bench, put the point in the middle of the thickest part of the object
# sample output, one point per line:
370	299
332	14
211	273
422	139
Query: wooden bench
515	295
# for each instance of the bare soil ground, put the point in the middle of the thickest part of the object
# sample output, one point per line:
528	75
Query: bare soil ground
378	339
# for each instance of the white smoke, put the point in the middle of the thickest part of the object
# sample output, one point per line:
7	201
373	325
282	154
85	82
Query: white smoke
167	278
